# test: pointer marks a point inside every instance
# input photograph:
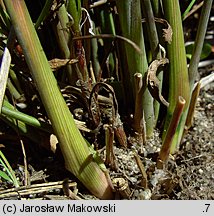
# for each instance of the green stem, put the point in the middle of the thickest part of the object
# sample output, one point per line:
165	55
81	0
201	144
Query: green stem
107	27
45	11
154	43
63	39
168	141
199	41
178	73
9	169
13	90
15	80
64	21
151	28
4	19
130	21
74	9
75	150
188	8
7	109
138	121
95	57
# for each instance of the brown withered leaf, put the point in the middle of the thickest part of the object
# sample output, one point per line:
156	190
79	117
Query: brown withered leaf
114	117
153	82
2	146
167	32
56	63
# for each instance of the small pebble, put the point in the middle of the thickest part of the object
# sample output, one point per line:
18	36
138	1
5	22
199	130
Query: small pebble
136	193
145	195
200	171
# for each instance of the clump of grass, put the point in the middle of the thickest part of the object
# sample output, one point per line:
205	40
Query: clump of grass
109	81
8	173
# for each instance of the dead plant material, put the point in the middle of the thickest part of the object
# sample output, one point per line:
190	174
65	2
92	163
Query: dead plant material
144	181
115	37
139	120
111	115
56	63
192	106
121	188
167	32
154	83
110	156
34	189
194	9
67	191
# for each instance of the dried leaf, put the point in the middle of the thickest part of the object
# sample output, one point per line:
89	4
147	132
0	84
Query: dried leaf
154	83
56	63
167	33
4	70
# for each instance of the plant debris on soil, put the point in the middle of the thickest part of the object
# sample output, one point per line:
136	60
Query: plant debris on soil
188	175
